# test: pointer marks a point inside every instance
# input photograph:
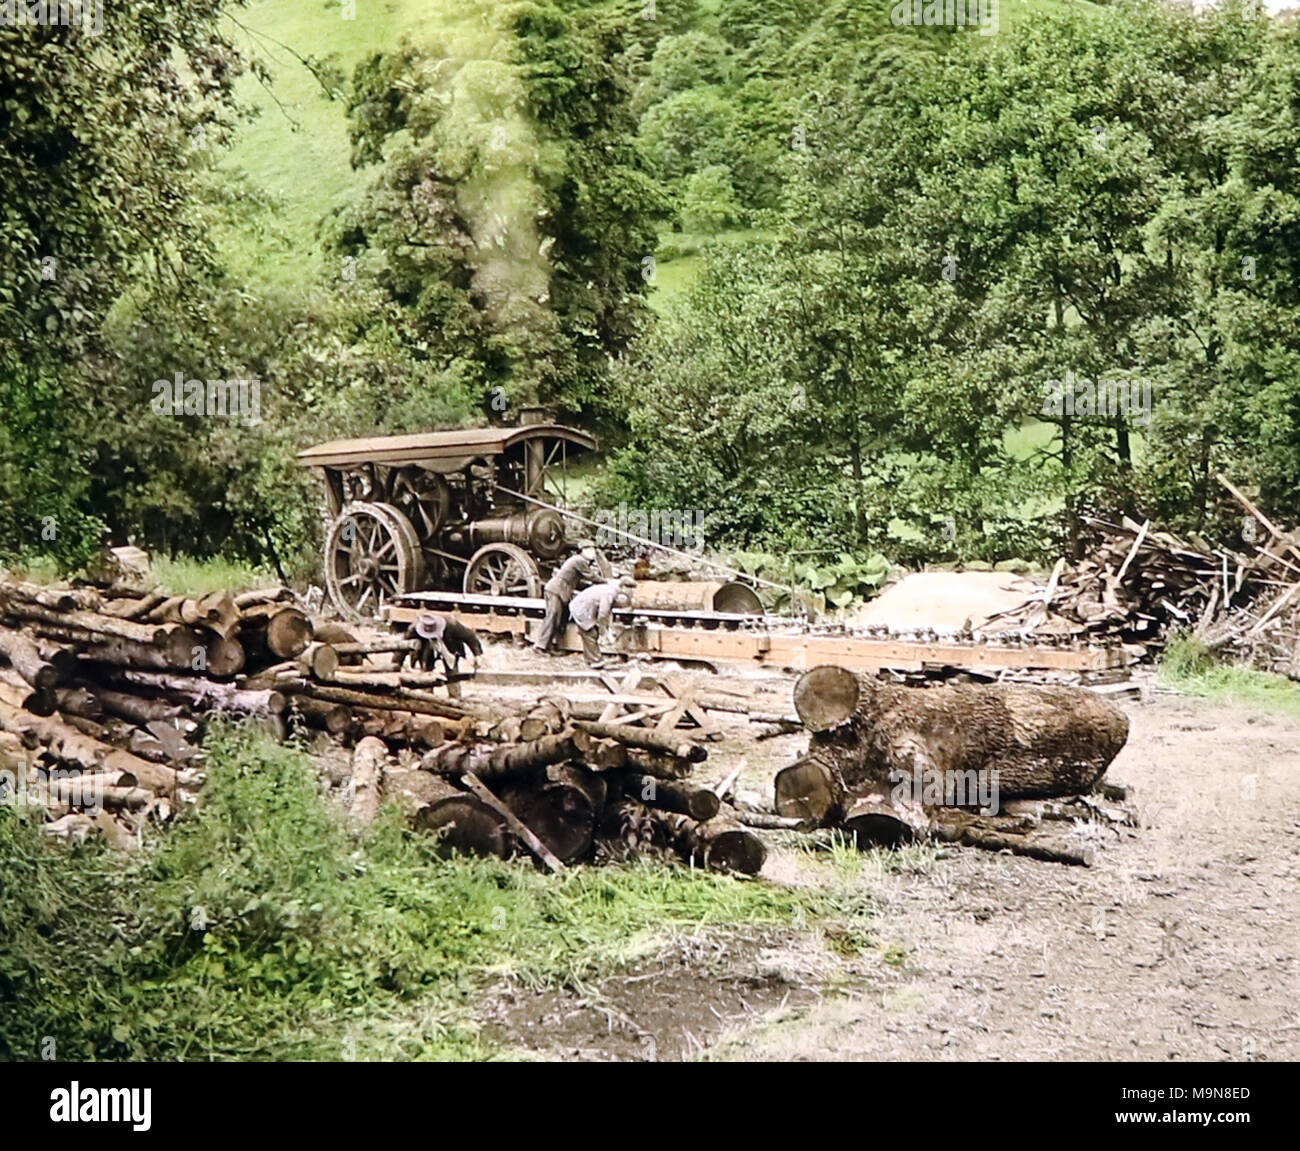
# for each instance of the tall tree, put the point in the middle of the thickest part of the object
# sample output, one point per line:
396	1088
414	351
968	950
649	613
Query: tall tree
510	217
99	130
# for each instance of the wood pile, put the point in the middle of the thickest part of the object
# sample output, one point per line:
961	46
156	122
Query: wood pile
1137	585
563	789
105	692
892	764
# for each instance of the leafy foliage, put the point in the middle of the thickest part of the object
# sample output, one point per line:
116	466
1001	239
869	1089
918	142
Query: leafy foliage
99	139
261	928
510	217
962	221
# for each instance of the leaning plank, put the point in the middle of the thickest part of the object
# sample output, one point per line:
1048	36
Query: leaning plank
517	825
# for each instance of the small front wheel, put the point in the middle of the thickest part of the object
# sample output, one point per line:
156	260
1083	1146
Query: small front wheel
502	570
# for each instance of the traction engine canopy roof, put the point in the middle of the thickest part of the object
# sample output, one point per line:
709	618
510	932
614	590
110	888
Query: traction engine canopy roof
440	452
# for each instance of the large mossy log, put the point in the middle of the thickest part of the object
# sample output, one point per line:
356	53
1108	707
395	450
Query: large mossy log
1041	741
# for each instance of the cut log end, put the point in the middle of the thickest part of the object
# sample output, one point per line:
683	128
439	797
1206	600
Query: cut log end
464	825
826	696
807	790
288	632
877	826
736	850
560	816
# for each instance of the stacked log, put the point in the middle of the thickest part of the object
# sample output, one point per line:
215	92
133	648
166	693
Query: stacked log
104	693
891	763
556	796
1137	585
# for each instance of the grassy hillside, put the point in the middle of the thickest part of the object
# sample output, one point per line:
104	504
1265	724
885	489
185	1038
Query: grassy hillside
294	155
295	151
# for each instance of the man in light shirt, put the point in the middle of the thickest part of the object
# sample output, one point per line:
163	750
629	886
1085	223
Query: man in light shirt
592	611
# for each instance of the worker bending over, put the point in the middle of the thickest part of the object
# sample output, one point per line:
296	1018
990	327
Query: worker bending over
446	641
592	611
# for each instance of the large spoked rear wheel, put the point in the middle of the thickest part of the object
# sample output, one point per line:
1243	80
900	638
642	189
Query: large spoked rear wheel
502	569
372	556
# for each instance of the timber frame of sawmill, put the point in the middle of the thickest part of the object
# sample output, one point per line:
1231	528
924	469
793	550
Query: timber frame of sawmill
706	636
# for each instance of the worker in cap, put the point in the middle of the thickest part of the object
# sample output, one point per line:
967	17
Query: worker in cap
592	613
578	570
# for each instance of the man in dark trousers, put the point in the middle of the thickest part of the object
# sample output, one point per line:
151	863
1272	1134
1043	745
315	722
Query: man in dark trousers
443	640
559	591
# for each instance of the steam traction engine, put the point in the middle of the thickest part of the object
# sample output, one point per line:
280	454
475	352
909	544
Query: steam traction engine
465	510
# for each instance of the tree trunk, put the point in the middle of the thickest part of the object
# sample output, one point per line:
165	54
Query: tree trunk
548	717
720	844
319	660
333	717
498	761
1027	741
680	796
561	810
69	745
402	728
79	701
876	819
462	822
280	629
367	770
646	740
249	599
204	692
448	709
659	764
136	708
26	660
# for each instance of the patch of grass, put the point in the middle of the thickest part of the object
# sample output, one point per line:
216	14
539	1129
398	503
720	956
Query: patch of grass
264	927
35	569
1188	666
184	575
177	575
296	152
677	262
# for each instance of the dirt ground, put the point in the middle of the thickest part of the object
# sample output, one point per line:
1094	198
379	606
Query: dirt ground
1180	943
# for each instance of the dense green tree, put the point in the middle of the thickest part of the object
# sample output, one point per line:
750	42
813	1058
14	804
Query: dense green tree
100	135
966	223
510	219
